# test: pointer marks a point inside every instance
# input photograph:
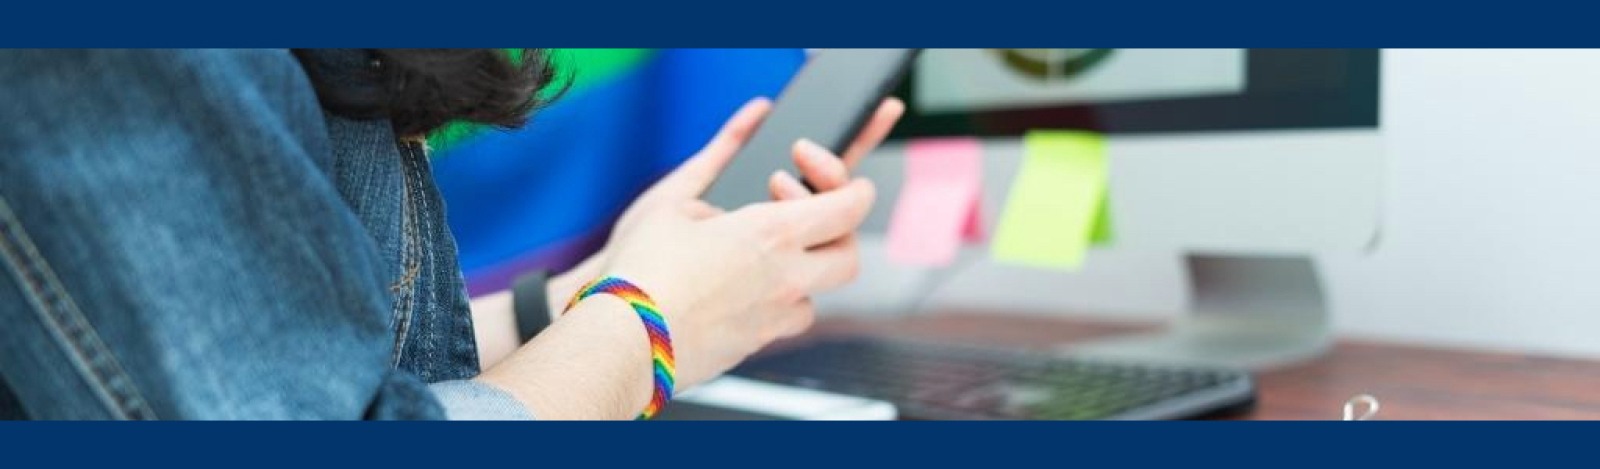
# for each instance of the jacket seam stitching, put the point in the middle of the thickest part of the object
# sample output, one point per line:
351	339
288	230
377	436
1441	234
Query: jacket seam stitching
61	315
405	288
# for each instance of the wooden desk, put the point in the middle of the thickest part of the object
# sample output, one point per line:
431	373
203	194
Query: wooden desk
1411	382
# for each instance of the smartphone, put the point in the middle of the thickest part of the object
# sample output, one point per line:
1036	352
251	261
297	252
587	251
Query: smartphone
828	102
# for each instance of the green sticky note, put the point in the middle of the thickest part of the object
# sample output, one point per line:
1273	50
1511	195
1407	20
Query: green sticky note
1101	236
1057	205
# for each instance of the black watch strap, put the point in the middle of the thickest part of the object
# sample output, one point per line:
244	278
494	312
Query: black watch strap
531	303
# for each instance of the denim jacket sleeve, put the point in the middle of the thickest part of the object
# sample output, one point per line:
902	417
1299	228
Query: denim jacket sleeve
171	246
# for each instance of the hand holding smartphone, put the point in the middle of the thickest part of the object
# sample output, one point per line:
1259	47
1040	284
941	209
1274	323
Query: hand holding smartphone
828	102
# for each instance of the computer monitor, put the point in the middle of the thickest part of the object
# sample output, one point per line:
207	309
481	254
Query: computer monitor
1244	162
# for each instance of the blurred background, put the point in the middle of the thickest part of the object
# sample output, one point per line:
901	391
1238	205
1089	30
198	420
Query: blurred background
1467	225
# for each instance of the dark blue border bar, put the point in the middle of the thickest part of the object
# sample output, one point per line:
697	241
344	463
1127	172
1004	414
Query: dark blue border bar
808	23
1095	445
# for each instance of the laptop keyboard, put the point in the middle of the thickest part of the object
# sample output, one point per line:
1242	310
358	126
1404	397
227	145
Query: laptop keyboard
940	381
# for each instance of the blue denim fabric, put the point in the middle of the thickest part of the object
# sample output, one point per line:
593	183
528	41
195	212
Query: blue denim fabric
186	235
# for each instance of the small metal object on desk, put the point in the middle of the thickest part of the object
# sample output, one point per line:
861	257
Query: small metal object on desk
1365	401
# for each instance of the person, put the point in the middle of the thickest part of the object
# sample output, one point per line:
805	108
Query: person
214	234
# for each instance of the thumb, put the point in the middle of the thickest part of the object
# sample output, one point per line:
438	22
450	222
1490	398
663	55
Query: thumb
695	175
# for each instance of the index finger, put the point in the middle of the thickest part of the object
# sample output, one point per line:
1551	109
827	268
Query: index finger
823	170
699	171
877	129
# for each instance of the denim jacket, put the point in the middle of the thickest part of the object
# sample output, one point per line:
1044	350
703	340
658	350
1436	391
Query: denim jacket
187	235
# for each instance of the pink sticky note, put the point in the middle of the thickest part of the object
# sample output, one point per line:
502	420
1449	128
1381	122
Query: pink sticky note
939	203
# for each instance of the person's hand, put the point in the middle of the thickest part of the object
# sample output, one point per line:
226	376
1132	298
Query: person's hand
824	171
707	163
827	172
729	283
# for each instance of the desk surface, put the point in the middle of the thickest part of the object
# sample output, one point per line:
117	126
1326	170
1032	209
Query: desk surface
1410	382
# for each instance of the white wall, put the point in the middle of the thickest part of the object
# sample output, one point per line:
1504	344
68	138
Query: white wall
1490	239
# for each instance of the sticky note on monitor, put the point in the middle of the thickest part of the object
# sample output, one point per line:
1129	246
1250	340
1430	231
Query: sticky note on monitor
1057	206
1101	235
940	202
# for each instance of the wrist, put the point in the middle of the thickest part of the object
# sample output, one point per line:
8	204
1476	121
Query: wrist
616	325
568	374
563	286
662	363
559	290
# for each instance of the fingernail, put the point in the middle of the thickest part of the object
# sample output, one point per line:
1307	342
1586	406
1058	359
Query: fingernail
788	184
811	149
866	185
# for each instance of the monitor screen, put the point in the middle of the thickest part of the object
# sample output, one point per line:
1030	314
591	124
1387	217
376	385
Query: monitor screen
1003	92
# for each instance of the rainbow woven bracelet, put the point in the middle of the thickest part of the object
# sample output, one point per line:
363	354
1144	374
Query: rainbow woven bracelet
655	326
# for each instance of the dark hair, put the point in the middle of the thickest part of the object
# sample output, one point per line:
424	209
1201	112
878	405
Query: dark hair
420	90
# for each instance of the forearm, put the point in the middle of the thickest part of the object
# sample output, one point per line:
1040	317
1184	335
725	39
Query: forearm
494	323
593	364
494	316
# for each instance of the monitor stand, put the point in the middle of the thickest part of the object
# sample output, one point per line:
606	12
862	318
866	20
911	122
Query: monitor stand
1254	312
